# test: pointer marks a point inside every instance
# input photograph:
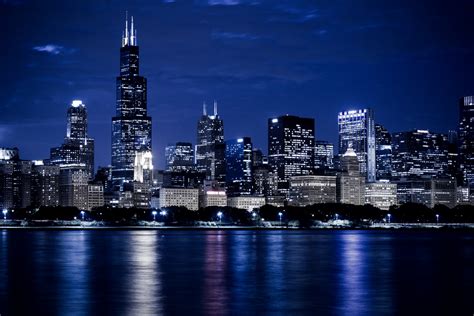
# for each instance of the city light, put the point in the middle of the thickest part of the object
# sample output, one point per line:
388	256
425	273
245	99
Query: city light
154	215
5	214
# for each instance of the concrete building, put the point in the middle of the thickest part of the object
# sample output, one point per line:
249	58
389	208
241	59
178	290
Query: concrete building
188	198
381	194
95	196
246	202
350	182
312	189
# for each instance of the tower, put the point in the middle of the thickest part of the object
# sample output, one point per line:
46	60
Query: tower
131	125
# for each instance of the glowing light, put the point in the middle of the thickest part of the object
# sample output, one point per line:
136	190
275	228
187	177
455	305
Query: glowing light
76	103
240	140
275	120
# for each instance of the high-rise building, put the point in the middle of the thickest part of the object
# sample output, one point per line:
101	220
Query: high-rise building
188	198
239	171
179	157
351	183
210	147
131	125
357	128
421	153
290	148
383	153
323	155
78	147
73	187
429	192
466	140
44	185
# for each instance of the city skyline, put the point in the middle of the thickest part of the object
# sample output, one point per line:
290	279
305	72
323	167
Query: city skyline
50	65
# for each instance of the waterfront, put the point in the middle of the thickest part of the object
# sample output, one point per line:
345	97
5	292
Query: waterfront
212	272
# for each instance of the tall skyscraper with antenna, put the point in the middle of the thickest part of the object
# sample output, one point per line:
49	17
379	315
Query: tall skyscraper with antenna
131	125
210	147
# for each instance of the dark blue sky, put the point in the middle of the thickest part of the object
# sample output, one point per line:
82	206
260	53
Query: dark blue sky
408	60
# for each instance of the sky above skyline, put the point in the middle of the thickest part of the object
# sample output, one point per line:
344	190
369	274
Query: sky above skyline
410	61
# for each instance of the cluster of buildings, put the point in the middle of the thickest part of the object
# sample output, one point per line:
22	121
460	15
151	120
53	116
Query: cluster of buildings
371	165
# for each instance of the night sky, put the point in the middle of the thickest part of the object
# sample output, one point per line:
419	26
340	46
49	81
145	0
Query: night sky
408	60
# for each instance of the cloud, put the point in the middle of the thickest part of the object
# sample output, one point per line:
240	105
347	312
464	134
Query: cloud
52	49
233	36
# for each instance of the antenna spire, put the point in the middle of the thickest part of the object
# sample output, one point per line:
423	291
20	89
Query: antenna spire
204	112
215	108
125	37
132	36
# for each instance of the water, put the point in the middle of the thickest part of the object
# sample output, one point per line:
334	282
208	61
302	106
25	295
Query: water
140	272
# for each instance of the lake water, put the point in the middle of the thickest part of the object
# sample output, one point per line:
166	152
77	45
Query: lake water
151	272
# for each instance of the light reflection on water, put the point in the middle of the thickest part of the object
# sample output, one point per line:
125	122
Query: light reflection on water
139	272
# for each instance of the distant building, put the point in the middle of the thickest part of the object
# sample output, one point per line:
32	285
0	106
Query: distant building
357	129
382	194
95	196
73	187
427	191
239	171
350	182
290	148
44	185
212	195
383	153
78	147
131	125
210	147
247	202
466	140
188	198
179	157
142	195
143	167
323	155
183	179
312	189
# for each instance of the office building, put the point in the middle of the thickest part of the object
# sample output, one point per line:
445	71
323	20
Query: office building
131	125
383	153
210	146
350	182
466	140
239	162
357	129
290	148
312	189
179	157
180	197
323	155
381	194
246	202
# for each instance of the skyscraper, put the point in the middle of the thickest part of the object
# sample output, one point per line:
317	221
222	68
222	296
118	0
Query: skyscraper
356	127
210	147
179	157
351	184
78	148
466	140
323	155
290	148
383	153
238	156
131	125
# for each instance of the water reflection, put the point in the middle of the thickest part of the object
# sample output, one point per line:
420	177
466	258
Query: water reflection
216	296
144	278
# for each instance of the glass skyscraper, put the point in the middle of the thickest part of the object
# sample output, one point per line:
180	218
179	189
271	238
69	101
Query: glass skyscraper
383	153
466	140
210	147
131	125
290	148
239	157
357	130
77	151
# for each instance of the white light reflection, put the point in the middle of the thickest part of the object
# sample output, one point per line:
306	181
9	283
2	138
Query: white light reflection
145	290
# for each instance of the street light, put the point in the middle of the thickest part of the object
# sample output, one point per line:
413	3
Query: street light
437	218
154	215
389	216
280	214
337	216
82	214
5	211
219	214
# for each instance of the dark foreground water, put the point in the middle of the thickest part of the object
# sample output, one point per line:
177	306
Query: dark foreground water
137	272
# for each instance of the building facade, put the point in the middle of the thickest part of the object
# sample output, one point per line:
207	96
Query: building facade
350	182
290	148
466	140
357	129
131	125
239	162
188	198
383	153
312	189
381	194
179	157
248	203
